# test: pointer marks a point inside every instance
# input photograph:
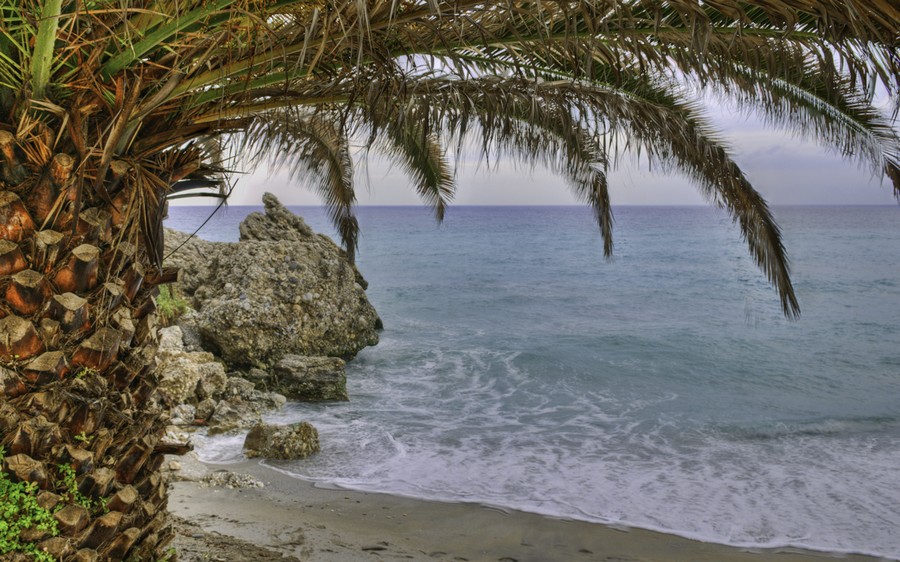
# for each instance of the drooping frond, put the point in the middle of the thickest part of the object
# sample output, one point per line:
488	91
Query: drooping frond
405	136
571	125
314	149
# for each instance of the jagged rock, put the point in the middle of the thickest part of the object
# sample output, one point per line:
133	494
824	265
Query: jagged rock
281	290
274	400
276	224
176	438
294	441
205	409
183	414
257	376
231	480
231	415
310	379
186	376
240	387
190	337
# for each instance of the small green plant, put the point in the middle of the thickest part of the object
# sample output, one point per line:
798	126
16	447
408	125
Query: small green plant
69	485
19	511
170	304
170	555
86	371
84	438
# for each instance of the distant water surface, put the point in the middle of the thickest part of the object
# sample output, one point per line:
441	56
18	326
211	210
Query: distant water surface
662	389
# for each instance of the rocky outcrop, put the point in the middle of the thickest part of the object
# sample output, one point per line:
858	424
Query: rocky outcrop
200	392
186	376
276	224
308	379
294	441
281	290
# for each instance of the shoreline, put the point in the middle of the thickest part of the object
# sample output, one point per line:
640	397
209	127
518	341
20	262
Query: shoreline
290	519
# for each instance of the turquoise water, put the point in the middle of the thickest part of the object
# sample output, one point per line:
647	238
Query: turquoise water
662	389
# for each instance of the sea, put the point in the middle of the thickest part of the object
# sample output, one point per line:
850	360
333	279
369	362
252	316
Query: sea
661	389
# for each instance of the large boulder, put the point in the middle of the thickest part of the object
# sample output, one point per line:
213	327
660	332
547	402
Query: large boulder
308	379
294	441
281	290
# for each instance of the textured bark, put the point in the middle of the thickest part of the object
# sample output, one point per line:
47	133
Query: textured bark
77	337
27	291
11	258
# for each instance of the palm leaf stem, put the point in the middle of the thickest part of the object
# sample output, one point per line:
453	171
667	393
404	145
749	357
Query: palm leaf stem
44	43
154	39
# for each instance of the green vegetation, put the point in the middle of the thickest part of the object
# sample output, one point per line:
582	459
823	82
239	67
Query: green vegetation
170	305
19	511
178	95
69	486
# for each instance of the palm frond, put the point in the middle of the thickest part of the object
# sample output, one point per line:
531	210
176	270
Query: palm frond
567	83
313	149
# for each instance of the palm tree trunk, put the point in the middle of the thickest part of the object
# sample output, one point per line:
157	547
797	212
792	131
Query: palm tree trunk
77	340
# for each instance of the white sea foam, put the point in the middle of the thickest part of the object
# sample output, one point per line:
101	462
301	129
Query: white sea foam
817	492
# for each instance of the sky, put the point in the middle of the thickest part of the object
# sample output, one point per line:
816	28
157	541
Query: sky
785	169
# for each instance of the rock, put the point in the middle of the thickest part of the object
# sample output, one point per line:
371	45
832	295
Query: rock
183	414
258	377
190	336
231	415
276	224
311	379
281	290
175	441
231	480
273	400
294	441
205	409
240	387
186	376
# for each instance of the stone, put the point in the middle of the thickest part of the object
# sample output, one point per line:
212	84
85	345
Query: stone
232	415
312	379
281	290
175	438
231	480
183	414
273	400
186	376
205	409
257	376
277	223
284	442
240	387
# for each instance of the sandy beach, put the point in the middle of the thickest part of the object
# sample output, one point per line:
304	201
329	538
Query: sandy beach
289	519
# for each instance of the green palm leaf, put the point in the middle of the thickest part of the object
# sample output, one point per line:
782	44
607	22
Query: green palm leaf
569	83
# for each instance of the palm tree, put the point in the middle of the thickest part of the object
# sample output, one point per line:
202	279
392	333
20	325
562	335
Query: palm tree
107	108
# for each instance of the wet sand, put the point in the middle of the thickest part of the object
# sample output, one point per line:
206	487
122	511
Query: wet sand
289	519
